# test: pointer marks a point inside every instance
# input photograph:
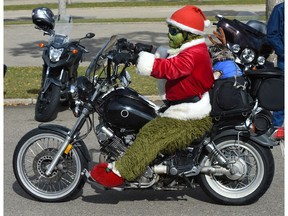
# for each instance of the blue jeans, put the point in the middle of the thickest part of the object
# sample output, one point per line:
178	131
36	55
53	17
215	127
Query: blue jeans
278	118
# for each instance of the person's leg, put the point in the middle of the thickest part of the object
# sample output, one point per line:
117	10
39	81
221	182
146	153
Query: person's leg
278	118
160	135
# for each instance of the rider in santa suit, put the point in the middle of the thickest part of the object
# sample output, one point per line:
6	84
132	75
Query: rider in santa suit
185	76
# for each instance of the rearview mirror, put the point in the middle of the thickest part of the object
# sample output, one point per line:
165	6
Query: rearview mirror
90	35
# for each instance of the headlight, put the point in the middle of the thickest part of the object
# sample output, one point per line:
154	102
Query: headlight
55	54
261	60
82	89
235	48
247	55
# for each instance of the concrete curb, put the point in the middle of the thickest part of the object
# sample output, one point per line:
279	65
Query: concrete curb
19	101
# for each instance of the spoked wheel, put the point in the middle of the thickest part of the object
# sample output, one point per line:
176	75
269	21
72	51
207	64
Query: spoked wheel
248	179
46	108
32	156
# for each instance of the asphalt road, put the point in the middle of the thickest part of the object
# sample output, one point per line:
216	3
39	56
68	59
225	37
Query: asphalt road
19	120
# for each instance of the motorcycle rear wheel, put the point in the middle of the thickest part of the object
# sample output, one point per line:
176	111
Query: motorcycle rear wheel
255	170
33	153
46	109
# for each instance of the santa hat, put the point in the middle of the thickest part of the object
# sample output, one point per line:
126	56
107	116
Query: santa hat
189	18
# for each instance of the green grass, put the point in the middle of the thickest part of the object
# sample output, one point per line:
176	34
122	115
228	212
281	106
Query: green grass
24	82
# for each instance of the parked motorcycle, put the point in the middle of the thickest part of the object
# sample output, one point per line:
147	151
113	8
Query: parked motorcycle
61	60
233	163
247	41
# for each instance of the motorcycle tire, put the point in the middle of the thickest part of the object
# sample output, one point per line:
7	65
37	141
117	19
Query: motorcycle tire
46	109
254	166
34	152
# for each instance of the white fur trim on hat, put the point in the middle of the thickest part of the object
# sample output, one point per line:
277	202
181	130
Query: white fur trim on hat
145	63
189	111
184	27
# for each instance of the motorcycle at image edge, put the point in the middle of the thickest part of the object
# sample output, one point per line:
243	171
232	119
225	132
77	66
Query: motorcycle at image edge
61	58
232	163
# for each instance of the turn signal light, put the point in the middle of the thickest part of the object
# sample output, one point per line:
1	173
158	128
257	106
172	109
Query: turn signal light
279	133
41	45
74	51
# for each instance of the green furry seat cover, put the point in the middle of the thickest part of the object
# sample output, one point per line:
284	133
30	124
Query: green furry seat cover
164	135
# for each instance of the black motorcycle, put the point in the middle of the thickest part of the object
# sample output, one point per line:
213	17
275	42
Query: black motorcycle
233	163
247	41
265	83
61	60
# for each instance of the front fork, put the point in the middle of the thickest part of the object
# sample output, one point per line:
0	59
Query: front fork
47	80
72	134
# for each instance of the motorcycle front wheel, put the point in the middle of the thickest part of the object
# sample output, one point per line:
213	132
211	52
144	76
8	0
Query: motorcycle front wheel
33	154
253	171
46	108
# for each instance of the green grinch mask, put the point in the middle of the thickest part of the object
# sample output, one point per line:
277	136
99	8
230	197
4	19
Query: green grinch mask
176	37
175	41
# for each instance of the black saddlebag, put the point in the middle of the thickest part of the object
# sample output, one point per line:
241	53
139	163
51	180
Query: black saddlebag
229	97
271	94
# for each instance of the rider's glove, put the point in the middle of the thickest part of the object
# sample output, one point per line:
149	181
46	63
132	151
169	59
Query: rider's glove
123	44
134	58
125	58
142	47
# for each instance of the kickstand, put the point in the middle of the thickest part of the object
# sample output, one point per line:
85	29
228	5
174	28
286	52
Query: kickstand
190	183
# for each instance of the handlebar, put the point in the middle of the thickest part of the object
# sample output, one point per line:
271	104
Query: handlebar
127	52
82	47
123	44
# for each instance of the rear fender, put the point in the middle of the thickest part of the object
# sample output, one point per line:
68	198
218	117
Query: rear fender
262	140
64	131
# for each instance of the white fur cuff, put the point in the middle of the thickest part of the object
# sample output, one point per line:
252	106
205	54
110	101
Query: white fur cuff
145	63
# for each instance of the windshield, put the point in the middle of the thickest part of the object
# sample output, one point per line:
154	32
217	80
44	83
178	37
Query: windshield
63	25
62	30
245	16
100	58
107	46
99	63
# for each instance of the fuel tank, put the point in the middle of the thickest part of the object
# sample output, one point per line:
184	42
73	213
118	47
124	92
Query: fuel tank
124	108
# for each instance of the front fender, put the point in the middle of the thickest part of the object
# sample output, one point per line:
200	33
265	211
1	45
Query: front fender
64	131
51	80
262	140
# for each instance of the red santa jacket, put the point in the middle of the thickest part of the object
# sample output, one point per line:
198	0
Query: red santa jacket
186	72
